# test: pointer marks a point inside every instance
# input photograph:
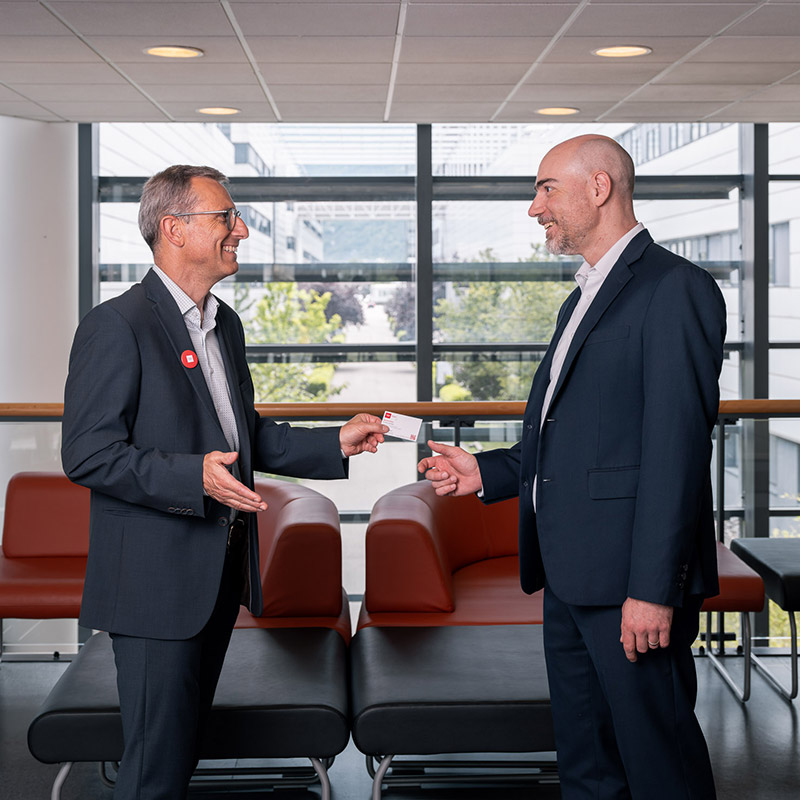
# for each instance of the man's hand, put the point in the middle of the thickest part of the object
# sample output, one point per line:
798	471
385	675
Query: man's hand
645	626
454	471
363	432
223	487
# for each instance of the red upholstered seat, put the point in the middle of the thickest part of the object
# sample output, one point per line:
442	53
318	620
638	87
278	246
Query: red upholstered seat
740	587
443	561
45	542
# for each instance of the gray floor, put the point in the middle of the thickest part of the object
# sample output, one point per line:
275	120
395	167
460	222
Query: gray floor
755	748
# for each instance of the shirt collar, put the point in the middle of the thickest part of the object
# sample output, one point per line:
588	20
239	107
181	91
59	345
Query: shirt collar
609	258
185	303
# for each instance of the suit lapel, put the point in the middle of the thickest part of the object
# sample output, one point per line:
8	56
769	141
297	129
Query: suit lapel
168	315
620	274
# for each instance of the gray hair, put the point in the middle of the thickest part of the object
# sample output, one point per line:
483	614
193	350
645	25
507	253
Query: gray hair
170	192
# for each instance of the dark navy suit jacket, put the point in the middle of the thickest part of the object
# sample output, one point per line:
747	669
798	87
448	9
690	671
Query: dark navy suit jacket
622	460
137	424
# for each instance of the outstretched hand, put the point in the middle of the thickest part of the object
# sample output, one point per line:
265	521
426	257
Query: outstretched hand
363	432
223	487
453	472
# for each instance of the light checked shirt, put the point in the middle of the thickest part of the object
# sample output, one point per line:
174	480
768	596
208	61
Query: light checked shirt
206	345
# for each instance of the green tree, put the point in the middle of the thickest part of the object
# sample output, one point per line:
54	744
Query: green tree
285	314
500	311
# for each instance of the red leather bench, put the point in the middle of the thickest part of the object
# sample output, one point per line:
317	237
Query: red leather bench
443	561
45	542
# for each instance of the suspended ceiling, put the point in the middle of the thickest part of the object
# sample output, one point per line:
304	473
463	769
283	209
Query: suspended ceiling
400	61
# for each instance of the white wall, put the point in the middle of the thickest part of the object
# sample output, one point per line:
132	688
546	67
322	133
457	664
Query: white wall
39	262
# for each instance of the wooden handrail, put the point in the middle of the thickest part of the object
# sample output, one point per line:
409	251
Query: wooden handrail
474	410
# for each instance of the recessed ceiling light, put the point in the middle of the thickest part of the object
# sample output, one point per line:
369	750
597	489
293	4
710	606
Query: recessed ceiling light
623	51
557	111
218	110
174	51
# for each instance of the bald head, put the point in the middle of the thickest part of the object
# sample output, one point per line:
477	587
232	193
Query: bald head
584	196
592	152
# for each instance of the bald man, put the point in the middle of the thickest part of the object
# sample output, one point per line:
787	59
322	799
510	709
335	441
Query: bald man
613	479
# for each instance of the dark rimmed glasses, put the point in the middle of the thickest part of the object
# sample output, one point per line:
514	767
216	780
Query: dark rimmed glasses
231	215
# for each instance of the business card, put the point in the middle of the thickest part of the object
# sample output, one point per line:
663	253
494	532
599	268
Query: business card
402	426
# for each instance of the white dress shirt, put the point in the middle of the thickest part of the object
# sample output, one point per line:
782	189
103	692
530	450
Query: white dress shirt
206	346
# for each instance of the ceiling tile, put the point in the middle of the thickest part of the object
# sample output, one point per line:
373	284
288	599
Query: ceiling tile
534	92
482	19
469	93
326	73
159	20
326	112
78	93
321	49
441	49
27	110
676	93
759	112
187	111
758	49
316	19
206	95
596	72
634	110
191	74
316	92
460	73
107	111
51	48
58	72
442	112
736	73
621	20
769	19
784	93
30	19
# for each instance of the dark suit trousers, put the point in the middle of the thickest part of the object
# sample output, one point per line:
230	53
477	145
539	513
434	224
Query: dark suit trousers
166	688
624	730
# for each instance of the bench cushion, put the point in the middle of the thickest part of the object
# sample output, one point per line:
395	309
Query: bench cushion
777	561
282	694
740	587
485	593
458	689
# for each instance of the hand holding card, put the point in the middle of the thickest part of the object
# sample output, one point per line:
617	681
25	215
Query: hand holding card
402	426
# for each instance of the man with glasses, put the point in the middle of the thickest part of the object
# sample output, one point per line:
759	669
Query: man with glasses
159	423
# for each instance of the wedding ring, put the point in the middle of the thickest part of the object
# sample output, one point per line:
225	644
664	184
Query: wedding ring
652	644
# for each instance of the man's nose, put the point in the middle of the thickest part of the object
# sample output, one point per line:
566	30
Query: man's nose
240	230
535	208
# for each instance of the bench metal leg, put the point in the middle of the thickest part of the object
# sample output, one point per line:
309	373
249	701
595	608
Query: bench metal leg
716	661
378	779
55	793
789	694
324	781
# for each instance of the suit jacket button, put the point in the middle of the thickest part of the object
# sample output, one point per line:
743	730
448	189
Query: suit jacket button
222	522
546	480
529	426
172	509
189	512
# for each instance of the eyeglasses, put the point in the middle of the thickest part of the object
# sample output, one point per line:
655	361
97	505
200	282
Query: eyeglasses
231	215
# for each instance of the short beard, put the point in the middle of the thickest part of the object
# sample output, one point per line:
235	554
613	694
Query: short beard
561	245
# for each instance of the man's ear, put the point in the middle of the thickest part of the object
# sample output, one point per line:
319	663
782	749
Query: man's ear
172	230
600	187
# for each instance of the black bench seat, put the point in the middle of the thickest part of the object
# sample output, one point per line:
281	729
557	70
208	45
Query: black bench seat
449	689
282	694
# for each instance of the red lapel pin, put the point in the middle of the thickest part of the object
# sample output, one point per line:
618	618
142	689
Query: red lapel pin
189	359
